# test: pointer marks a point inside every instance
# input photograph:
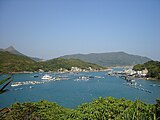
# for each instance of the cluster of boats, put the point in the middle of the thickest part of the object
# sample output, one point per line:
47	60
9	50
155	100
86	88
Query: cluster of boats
21	88
45	78
25	83
86	78
80	78
137	86
132	83
49	78
83	78
129	80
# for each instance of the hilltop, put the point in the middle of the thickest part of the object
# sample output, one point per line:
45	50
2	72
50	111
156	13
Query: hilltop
110	58
12	50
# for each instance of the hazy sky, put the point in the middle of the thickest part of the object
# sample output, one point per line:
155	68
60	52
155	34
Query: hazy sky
52	28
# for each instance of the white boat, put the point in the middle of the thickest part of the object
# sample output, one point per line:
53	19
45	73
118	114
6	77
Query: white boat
47	77
16	84
83	78
13	85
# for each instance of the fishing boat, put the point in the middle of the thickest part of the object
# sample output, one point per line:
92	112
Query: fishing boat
47	77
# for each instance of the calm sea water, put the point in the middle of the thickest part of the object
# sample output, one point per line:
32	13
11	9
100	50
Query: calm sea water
71	93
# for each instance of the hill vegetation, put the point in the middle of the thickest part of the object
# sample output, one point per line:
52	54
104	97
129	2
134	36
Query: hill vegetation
18	63
110	59
58	63
153	68
102	59
14	63
99	109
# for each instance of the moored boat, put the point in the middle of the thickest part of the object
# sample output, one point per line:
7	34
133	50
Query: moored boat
35	76
47	77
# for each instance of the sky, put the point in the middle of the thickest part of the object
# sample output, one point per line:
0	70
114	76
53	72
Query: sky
53	28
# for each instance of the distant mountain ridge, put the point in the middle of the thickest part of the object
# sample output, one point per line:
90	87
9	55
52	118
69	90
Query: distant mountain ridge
12	50
110	58
102	59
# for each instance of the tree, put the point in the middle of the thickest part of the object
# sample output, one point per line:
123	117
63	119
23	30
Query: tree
6	82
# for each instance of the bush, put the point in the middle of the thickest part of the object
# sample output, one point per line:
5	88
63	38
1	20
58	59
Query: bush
98	109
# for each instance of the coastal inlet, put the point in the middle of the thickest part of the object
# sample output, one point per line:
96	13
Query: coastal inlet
71	89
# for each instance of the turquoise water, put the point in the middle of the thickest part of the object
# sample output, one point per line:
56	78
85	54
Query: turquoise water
71	93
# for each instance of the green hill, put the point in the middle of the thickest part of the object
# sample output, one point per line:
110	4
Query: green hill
12	50
18	63
58	63
102	59
110	59
153	68
14	63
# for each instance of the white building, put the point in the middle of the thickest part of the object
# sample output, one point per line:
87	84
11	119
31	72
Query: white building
76	69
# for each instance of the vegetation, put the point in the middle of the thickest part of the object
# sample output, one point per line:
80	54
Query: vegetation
110	59
18	63
99	109
5	82
153	68
58	63
14	63
12	50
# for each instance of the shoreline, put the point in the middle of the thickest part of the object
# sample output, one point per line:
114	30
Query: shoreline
104	70
30	72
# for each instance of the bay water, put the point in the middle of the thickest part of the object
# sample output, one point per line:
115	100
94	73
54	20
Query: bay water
75	91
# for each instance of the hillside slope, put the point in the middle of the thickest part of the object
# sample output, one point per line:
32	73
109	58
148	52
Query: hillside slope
58	63
153	68
18	63
110	59
14	63
12	50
